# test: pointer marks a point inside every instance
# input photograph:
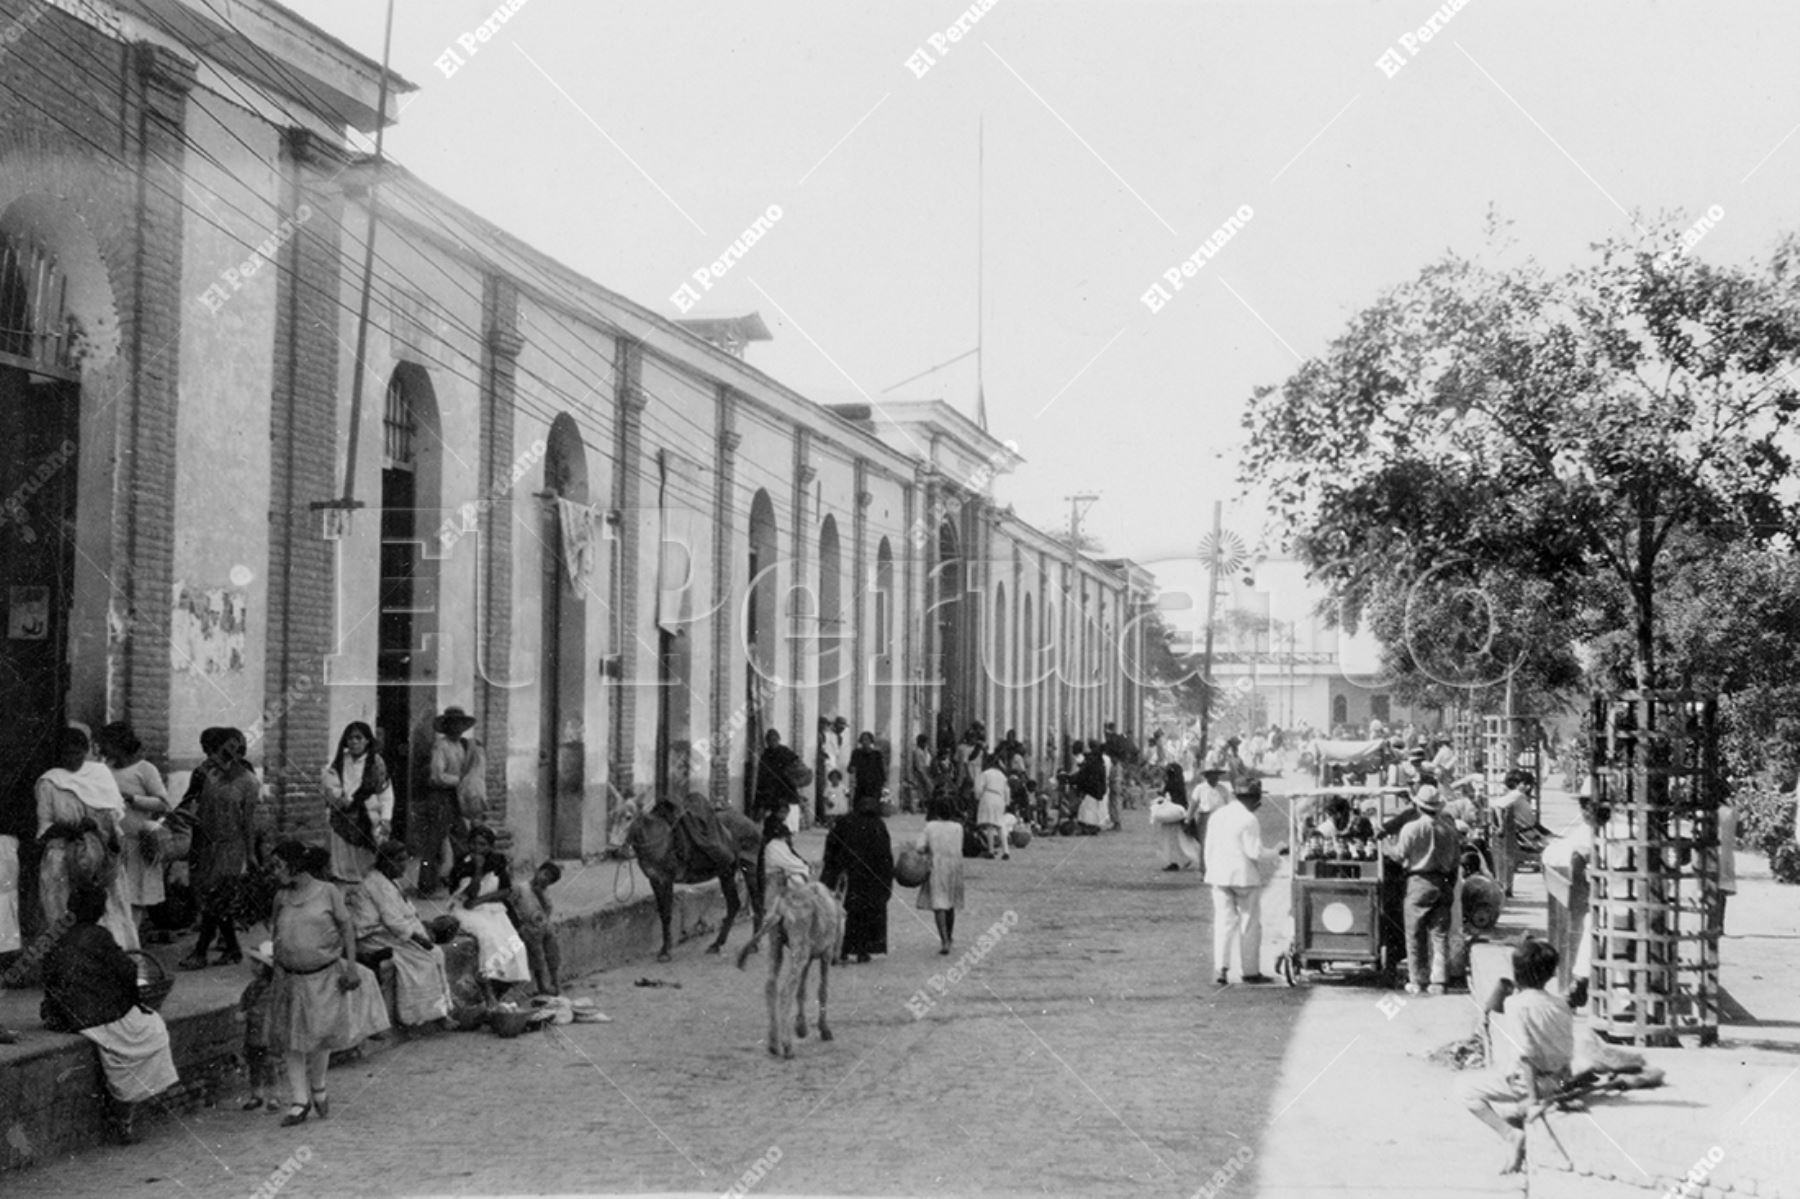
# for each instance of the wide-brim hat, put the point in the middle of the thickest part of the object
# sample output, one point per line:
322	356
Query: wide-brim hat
453	721
1429	799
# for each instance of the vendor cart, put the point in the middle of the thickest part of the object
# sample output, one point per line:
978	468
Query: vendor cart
1346	895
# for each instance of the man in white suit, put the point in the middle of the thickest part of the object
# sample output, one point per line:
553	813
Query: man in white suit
1237	868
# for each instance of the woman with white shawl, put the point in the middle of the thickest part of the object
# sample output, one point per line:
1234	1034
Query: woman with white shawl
78	809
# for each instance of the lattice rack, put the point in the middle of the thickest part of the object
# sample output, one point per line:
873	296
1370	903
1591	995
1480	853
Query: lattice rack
1655	873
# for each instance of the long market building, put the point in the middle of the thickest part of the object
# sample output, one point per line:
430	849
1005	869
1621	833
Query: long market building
601	531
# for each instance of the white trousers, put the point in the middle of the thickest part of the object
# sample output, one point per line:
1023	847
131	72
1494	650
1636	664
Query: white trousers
1237	915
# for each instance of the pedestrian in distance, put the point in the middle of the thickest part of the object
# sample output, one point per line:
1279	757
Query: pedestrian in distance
779	772
942	893
1238	867
991	795
435	820
919	788
1090	784
859	854
1429	850
79	809
143	835
225	844
868	770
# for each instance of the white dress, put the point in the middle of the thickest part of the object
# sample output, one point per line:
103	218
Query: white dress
502	952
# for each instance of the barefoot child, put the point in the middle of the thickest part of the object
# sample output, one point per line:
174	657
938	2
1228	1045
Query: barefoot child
256	1003
1533	1038
532	912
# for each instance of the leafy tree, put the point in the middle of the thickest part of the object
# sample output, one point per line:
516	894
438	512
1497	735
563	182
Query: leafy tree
1553	428
1459	636
1169	670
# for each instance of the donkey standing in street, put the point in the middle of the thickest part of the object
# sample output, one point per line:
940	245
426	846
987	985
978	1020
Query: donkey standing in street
804	924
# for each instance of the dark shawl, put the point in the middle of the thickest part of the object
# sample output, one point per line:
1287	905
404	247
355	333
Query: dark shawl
859	851
88	980
869	770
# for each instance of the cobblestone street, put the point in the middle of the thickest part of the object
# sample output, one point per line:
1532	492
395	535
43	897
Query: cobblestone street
1086	1053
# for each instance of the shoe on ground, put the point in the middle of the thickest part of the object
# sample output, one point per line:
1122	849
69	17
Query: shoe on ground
1435	989
1413	989
1221	979
194	961
1257	978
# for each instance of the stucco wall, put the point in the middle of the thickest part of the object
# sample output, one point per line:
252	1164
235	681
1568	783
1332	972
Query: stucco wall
233	235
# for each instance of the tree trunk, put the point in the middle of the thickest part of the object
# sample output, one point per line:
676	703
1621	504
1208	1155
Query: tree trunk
1643	589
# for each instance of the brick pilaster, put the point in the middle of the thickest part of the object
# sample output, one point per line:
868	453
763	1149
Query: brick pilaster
303	432
146	500
801	733
725	613
860	580
628	450
500	346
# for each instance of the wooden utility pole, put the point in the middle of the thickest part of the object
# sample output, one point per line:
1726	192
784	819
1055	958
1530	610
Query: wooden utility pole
1212	599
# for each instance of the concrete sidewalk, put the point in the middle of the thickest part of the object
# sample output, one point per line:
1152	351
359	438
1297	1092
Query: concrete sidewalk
1728	1111
50	1082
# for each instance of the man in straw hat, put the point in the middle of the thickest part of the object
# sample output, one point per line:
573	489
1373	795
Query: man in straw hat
1428	849
1238	867
436	815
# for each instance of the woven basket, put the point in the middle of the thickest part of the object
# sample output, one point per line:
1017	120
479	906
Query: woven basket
911	867
154	982
510	1023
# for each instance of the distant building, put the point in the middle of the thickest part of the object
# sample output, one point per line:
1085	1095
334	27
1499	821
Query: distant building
1274	646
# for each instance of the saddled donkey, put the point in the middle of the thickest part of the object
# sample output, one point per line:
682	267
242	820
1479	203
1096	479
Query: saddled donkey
806	924
694	843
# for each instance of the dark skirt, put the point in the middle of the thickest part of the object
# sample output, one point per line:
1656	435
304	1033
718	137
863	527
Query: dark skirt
865	924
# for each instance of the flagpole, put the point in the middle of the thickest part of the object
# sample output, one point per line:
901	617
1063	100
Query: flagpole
980	267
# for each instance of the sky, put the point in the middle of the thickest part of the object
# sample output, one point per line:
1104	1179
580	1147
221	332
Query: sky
636	141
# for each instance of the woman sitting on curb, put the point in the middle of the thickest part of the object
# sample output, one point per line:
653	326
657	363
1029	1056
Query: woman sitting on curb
91	987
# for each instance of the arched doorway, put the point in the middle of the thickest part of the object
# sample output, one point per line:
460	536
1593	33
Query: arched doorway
997	665
1029	684
883	663
406	672
56	320
562	725
759	625
946	611
830	619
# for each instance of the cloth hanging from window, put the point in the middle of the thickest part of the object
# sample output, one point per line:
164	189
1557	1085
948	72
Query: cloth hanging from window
578	540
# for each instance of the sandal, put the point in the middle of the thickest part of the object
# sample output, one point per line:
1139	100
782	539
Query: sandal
252	1103
296	1114
321	1103
194	961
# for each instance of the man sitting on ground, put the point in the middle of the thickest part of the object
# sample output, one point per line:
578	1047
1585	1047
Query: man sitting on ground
1534	1044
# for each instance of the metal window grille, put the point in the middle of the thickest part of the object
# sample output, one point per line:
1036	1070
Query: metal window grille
398	428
